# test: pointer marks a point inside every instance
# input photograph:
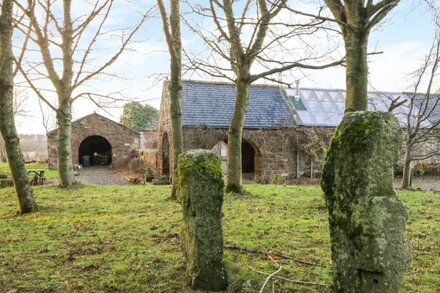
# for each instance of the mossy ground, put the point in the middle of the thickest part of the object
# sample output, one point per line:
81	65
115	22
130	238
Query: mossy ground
126	239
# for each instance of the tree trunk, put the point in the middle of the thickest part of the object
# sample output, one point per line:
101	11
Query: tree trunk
64	136
2	151
235	137
356	46
7	124
407	170
175	89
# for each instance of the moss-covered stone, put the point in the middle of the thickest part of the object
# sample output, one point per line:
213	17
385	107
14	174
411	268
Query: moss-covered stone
367	221
200	190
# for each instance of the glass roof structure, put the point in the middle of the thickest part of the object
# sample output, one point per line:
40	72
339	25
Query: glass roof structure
325	107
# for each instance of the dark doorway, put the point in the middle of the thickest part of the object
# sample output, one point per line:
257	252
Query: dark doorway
249	161
248	158
165	154
95	150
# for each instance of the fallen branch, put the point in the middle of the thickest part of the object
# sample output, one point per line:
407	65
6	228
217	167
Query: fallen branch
271	275
269	253
292	281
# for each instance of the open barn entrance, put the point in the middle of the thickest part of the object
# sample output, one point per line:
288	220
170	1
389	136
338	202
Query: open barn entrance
95	150
250	159
165	154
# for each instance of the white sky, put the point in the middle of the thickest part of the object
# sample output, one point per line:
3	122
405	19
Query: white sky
404	38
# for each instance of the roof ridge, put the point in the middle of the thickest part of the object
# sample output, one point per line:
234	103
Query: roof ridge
219	82
277	85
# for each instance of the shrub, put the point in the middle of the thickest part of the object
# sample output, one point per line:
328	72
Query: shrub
132	163
121	163
276	179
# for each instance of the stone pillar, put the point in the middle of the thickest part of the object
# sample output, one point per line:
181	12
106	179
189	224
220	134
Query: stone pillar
200	190
370	252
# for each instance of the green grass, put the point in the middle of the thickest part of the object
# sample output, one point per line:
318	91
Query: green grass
49	173
125	239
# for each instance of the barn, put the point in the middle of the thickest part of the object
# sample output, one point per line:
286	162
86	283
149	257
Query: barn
268	148
96	140
286	130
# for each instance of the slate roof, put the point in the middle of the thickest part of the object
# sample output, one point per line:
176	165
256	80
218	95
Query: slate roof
211	104
432	107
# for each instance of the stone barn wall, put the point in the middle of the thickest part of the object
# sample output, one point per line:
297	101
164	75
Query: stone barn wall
121	138
275	149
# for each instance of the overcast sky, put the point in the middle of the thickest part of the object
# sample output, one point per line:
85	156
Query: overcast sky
404	38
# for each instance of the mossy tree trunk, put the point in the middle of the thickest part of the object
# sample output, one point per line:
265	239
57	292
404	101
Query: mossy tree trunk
7	124
235	134
64	145
64	111
174	42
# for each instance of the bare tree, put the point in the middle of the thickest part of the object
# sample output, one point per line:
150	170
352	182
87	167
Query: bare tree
356	18
423	116
253	37
19	109
7	124
68	48
172	33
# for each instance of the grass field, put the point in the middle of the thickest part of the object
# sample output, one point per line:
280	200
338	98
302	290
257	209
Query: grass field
126	239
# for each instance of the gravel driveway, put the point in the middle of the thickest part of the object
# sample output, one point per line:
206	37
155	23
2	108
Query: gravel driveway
102	176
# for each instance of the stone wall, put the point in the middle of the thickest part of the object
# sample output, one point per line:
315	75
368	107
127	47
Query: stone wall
275	149
148	139
121	138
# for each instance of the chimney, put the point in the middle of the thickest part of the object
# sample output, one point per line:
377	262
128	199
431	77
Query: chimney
297	89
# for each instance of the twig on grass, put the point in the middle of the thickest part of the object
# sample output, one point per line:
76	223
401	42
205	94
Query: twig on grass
271	275
270	253
292	281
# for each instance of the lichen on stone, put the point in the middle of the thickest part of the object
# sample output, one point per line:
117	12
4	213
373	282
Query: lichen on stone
200	190
367	221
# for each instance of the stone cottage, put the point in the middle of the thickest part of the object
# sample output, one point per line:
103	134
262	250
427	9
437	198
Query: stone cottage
285	133
96	137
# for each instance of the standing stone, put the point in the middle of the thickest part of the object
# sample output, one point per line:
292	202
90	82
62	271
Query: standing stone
370	252
200	190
